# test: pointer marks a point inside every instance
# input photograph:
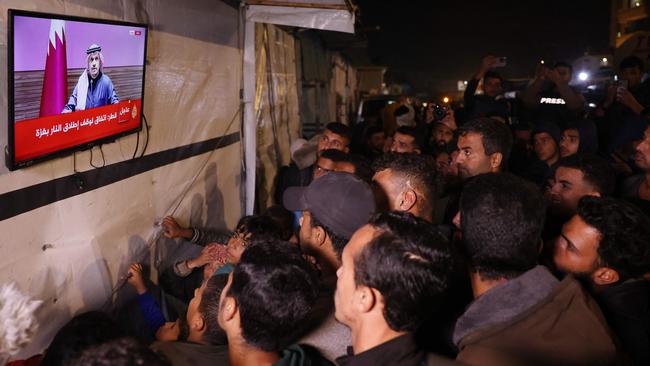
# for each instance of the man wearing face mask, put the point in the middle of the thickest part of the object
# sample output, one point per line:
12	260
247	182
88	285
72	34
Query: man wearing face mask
94	88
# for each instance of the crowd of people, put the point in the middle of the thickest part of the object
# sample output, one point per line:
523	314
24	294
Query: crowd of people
500	232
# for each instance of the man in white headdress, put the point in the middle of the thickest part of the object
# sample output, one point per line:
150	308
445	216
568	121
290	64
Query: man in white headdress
94	88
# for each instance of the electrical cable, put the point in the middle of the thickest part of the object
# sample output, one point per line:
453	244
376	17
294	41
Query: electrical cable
159	230
137	143
147	141
74	162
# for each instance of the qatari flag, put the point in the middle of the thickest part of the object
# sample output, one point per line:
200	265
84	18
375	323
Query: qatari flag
55	81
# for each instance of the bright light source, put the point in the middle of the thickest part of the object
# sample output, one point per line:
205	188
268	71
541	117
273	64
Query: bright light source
465	82
583	76
424	104
541	62
592	105
618	34
445	100
604	60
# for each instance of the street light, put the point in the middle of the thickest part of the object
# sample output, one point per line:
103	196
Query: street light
583	76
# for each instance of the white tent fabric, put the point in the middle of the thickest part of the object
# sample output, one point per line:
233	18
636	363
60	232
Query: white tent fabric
325	19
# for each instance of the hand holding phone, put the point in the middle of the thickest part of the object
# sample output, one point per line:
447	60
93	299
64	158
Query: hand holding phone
501	61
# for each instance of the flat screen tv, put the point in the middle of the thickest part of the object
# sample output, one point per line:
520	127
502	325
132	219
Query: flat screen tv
73	83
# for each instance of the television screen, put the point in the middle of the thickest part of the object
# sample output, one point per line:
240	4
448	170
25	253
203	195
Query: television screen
73	83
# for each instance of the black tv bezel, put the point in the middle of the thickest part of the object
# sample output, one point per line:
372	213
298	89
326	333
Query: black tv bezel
10	158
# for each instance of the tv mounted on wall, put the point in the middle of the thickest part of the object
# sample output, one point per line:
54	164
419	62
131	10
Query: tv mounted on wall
73	83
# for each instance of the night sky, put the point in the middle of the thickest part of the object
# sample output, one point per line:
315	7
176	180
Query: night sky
432	44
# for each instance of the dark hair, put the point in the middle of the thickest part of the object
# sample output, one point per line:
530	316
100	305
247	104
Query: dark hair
420	170
334	155
402	110
452	145
209	309
495	136
418	138
258	225
492	75
409	263
632	61
120	352
625	234
340	129
563	64
283	219
522	126
338	242
502	217
439	150
362	167
371	130
596	171
80	333
275	289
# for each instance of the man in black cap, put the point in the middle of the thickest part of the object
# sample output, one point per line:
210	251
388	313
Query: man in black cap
94	88
333	207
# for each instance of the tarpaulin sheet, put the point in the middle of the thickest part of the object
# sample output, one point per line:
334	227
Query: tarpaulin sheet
71	253
276	105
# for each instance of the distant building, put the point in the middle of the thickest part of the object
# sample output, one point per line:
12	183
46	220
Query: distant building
630	29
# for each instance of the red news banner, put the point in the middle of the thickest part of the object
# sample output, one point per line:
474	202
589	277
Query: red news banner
41	136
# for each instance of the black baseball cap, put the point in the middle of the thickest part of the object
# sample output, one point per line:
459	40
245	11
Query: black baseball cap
341	201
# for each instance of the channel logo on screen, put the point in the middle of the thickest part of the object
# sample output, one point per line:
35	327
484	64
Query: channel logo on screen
135	33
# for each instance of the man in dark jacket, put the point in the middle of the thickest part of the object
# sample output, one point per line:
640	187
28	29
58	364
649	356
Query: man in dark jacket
394	275
546	145
491	103
264	305
333	207
550	98
521	315
607	244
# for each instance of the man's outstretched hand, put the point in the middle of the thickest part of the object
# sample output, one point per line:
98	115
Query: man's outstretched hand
135	278
487	63
173	230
